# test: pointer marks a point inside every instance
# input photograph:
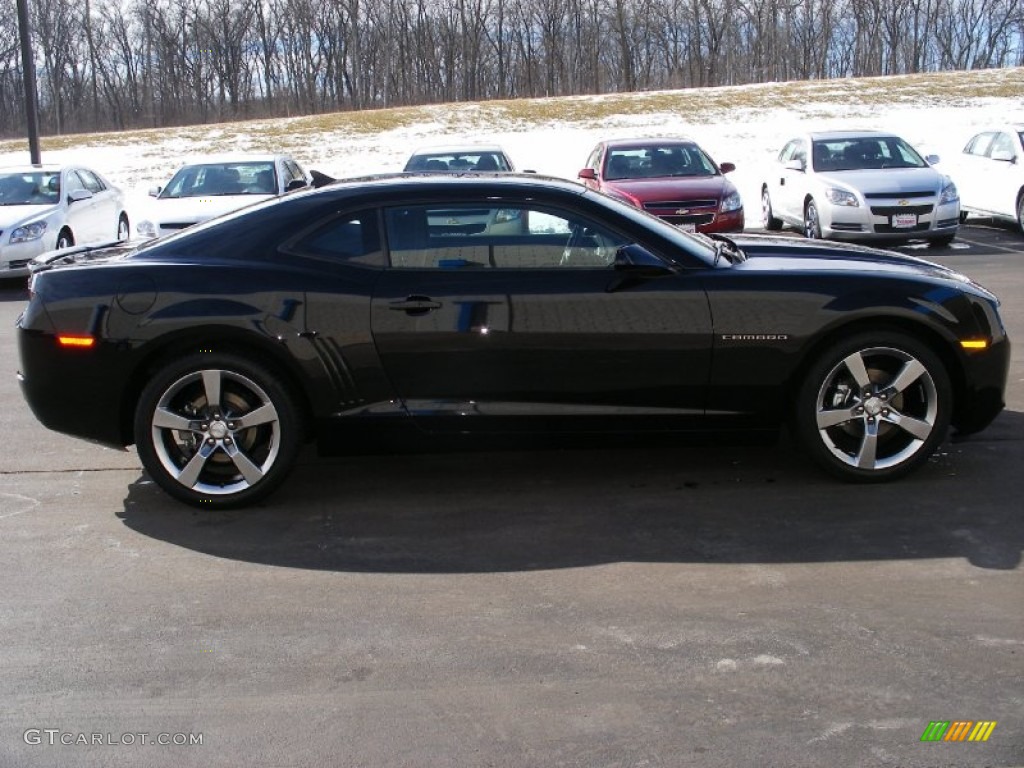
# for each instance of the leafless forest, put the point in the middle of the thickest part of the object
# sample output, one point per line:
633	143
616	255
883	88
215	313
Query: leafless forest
104	64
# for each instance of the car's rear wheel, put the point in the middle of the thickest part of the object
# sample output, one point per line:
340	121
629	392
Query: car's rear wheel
216	430
812	221
771	223
874	407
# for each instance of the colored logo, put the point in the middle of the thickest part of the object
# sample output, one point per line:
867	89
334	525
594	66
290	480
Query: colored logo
958	730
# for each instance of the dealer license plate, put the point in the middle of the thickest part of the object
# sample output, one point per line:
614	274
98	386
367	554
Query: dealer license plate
688	227
904	220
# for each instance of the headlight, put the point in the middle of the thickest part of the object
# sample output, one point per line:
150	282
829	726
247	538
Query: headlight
838	196
146	228
731	202
28	232
949	193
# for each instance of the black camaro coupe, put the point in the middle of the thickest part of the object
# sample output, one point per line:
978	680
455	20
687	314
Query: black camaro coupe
420	308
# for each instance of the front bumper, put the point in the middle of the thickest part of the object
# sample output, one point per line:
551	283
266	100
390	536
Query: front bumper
894	219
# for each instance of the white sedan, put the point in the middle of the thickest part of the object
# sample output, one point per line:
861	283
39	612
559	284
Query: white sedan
47	207
859	185
990	174
213	186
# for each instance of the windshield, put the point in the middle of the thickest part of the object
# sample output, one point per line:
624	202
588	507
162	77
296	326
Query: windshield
459	162
865	153
30	188
652	162
218	179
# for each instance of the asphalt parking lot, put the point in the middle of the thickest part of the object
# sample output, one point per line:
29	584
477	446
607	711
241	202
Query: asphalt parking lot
716	606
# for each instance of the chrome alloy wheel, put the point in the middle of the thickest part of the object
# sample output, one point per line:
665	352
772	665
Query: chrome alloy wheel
216	432
877	408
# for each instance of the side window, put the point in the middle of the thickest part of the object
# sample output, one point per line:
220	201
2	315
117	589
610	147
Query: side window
1001	143
594	161
800	152
979	144
91	181
509	237
787	151
73	183
352	238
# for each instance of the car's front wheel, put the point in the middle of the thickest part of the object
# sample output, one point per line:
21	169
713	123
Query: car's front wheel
1020	210
123	228
771	223
65	239
812	221
216	430
874	407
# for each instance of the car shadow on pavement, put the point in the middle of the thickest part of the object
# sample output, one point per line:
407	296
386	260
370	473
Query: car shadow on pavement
521	510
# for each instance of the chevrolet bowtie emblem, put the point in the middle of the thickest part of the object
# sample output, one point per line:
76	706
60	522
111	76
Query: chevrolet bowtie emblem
682	211
903	202
452	222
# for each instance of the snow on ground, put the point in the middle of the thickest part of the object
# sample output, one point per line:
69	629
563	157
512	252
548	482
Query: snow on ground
750	138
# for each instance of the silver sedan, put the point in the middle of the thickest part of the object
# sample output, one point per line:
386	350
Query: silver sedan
859	185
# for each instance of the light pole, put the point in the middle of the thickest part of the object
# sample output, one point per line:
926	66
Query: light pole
29	81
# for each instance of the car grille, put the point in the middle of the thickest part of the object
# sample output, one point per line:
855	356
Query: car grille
892	210
695	219
839	227
18	263
676	204
898	195
888	228
176	224
947	223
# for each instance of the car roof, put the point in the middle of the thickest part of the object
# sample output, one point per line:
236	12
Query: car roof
648	141
47	168
457	149
232	157
849	134
451	181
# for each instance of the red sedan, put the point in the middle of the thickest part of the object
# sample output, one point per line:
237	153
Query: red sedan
674	179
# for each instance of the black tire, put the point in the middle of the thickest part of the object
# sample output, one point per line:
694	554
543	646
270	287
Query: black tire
963	216
940	242
124	231
768	219
874	407
207	455
812	221
1020	210
65	239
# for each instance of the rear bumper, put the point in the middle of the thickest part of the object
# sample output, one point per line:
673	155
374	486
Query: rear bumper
74	391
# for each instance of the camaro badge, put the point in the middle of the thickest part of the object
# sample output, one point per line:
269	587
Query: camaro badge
755	337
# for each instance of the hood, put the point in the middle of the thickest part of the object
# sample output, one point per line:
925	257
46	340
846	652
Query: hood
770	253
673	188
894	181
192	210
12	216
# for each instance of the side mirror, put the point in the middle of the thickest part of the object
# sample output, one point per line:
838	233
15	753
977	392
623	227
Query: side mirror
587	174
932	159
1003	156
794	165
727	167
637	260
295	184
155	191
78	195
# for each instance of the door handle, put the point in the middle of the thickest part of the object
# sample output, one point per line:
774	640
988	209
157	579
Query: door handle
418	304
